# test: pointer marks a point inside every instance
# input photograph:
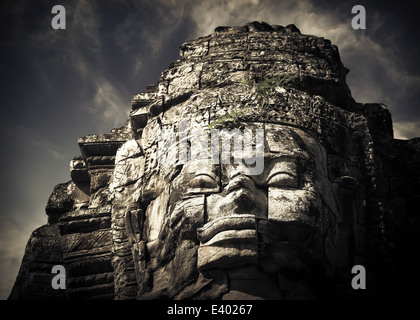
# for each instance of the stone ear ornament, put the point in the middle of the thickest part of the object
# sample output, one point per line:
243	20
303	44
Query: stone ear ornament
134	224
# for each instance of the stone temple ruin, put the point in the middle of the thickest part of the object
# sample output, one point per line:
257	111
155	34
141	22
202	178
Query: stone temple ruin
337	189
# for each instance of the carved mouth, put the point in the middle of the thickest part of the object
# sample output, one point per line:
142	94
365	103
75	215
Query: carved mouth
244	222
228	242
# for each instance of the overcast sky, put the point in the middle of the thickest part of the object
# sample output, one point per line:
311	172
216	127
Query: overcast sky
58	85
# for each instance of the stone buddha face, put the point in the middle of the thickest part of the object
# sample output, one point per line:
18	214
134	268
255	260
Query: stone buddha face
279	219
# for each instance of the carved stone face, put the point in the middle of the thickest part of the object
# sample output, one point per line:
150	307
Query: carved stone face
208	222
277	220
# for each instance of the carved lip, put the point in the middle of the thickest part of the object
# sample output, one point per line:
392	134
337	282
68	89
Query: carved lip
229	236
232	222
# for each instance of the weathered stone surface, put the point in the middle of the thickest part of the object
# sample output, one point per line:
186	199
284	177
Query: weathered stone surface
153	212
61	200
293	206
129	165
78	170
42	252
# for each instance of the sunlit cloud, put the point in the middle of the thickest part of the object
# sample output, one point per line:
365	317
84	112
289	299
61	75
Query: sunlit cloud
38	141
107	104
142	36
406	129
86	24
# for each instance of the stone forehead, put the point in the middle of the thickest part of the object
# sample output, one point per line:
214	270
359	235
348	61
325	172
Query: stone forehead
288	107
221	73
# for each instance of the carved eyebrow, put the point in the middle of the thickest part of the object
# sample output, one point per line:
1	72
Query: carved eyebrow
207	173
210	175
279	172
288	167
203	168
237	173
204	183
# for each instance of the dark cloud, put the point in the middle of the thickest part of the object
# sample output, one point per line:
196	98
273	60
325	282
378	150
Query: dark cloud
58	85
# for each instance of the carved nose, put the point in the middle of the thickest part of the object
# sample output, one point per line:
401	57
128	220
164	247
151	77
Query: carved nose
240	182
244	200
240	191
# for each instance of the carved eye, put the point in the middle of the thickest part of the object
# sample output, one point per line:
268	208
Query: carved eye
282	180
203	181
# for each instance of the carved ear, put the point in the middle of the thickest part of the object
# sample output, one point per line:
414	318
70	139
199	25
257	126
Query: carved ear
351	231
134	224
